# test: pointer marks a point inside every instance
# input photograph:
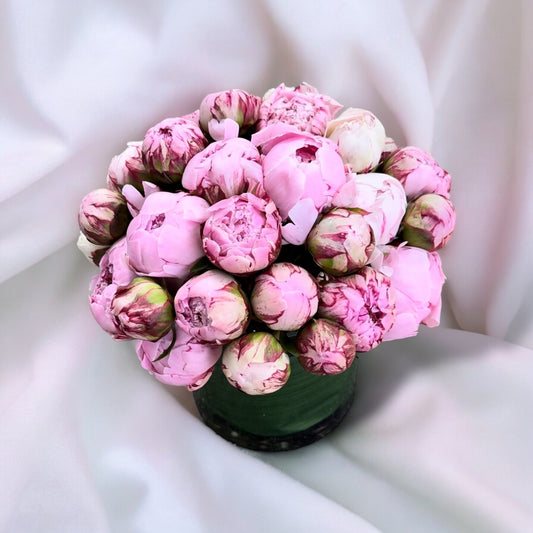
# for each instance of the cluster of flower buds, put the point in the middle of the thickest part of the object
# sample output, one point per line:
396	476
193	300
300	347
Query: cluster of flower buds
262	232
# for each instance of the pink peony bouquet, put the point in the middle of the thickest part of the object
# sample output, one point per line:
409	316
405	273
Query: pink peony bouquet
265	232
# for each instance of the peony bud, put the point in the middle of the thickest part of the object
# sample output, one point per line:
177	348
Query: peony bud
168	147
236	106
212	308
127	168
341	242
242	234
256	364
187	363
103	216
302	107
324	347
143	309
418	172
429	222
363	303
284	297
360	137
93	252
223	169
164	239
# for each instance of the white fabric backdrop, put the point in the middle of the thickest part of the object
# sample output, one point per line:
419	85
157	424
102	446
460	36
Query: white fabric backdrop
441	434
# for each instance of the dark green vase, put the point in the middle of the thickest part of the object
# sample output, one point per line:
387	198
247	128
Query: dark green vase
304	410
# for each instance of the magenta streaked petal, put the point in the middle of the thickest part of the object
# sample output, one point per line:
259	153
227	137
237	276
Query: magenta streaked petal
325	348
168	146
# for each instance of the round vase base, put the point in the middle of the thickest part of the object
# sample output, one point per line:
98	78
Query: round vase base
304	410
273	443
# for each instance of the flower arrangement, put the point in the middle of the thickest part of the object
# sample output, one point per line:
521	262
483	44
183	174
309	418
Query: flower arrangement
265	232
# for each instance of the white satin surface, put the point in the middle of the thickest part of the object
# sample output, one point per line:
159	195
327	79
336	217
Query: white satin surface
440	436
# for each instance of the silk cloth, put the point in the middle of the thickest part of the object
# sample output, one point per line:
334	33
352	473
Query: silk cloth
440	436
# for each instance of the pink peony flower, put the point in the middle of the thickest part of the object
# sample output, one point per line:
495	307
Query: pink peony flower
302	173
115	272
284	297
302	107
360	137
212	308
242	234
418	172
228	114
143	309
103	216
363	303
324	347
127	168
256	364
429	222
188	363
223	169
164	239
381	196
168	147
341	241
416	277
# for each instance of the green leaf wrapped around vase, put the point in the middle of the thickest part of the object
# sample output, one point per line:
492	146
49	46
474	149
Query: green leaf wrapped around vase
304	410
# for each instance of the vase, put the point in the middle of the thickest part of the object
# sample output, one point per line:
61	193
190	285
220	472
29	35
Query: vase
307	408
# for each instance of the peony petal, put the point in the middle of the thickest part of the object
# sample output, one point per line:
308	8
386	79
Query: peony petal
303	215
223	130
